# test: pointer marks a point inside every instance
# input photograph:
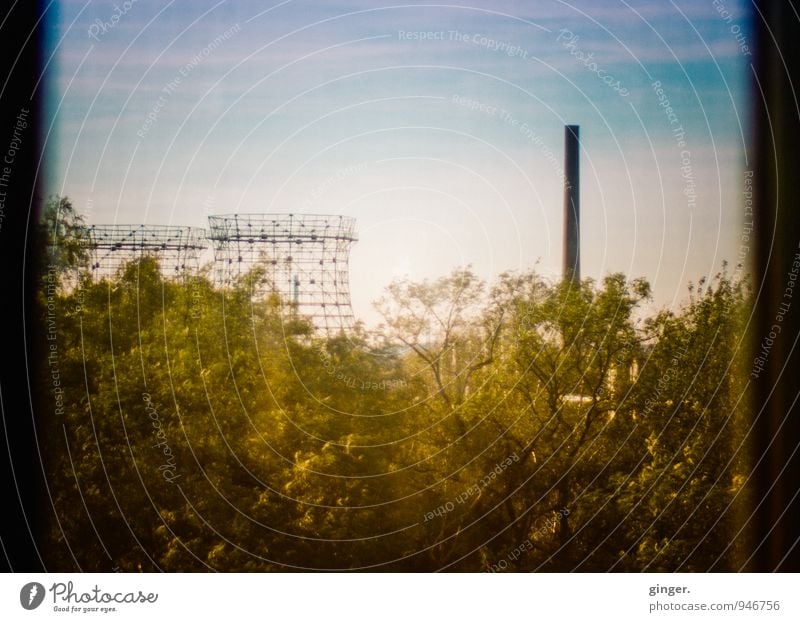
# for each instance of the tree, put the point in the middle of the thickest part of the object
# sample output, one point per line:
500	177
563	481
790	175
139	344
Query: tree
61	237
530	426
695	409
440	323
568	365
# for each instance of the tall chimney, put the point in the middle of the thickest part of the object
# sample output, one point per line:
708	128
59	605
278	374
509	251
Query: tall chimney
572	204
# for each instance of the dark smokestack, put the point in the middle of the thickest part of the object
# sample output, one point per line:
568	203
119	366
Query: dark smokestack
572	204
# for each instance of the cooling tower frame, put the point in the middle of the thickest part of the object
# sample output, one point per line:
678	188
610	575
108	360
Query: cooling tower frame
176	248
305	258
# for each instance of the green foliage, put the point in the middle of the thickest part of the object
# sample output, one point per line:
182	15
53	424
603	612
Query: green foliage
533	426
60	235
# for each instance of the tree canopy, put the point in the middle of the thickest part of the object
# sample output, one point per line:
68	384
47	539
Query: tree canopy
526	425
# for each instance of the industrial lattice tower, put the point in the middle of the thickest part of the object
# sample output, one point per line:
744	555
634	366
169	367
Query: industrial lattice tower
304	259
110	247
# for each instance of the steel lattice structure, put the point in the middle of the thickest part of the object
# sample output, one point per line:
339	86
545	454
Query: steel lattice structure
176	248
304	257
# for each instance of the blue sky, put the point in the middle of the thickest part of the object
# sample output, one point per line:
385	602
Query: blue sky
447	150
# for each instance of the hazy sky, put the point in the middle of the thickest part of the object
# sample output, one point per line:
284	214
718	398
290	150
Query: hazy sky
445	146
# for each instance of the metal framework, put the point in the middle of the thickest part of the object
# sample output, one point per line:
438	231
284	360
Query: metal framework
304	258
111	247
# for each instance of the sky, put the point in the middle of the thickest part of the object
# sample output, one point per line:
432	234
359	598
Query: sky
439	127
